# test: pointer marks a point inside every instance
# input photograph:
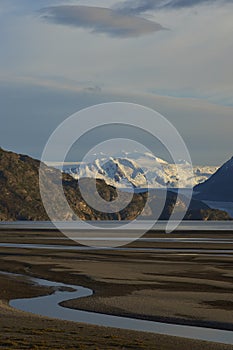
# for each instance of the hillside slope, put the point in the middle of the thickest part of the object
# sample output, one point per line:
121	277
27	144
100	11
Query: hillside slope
219	187
20	196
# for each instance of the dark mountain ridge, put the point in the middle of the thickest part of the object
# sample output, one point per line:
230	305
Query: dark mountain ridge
20	196
219	187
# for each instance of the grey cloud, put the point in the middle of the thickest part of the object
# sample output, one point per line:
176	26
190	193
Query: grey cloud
94	89
100	20
140	6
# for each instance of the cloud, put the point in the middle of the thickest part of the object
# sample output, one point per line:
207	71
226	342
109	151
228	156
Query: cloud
100	20
139	6
38	108
93	89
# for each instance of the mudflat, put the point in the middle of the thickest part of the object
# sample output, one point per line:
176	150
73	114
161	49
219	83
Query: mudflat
185	288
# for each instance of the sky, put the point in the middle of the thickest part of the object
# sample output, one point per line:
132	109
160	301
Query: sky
174	56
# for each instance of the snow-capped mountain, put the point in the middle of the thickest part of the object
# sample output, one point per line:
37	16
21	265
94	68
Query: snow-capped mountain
138	170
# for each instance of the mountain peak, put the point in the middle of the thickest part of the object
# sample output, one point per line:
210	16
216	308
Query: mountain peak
140	169
20	195
219	187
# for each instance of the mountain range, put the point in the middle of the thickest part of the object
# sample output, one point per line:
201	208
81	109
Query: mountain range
139	170
20	196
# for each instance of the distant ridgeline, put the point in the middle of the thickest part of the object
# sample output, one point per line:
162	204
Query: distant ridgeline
219	187
20	196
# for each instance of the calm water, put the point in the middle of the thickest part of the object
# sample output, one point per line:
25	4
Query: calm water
49	306
136	225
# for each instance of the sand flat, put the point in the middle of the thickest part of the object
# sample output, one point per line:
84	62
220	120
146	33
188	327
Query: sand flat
164	287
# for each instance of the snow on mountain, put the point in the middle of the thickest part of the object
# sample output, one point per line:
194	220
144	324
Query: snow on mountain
137	169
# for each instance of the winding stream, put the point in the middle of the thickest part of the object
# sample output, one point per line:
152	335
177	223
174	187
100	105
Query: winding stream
49	306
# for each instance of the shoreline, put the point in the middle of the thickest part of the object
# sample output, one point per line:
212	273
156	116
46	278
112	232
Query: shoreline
132	334
90	306
193	226
23	331
126	279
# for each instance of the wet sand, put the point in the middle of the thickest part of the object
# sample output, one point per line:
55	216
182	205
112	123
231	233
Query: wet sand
188	289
